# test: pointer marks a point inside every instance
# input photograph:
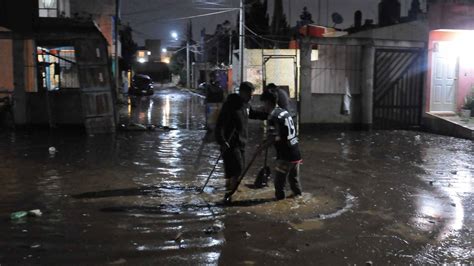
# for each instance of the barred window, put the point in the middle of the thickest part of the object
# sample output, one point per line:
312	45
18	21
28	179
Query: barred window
58	68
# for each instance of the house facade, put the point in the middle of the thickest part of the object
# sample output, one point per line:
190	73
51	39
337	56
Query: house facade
407	75
62	71
450	74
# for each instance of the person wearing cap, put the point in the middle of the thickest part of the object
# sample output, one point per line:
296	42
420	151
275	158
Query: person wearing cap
231	131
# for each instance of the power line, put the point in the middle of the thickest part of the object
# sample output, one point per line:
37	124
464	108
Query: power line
148	10
263	38
188	17
141	33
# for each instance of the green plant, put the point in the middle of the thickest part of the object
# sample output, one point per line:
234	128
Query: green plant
468	102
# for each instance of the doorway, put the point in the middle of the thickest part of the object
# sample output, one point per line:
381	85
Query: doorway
444	77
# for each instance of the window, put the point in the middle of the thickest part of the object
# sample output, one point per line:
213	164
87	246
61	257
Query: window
48	8
57	68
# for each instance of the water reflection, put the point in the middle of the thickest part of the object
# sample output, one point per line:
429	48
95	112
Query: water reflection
168	108
165	120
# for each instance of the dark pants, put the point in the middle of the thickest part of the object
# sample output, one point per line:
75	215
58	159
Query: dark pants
286	170
234	160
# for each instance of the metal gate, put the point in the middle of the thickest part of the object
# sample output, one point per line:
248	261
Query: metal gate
398	88
94	76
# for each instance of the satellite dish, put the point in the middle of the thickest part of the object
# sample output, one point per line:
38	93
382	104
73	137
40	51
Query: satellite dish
337	18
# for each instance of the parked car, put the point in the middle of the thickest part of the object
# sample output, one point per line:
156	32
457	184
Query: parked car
141	85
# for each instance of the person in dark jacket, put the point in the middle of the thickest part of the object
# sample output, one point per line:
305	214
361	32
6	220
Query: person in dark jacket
232	131
282	132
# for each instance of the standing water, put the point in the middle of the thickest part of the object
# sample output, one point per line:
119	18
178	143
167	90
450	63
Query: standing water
132	198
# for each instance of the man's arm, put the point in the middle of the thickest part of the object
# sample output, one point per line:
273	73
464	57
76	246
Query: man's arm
256	114
219	130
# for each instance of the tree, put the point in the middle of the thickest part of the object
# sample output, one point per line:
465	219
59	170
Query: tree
389	12
220	44
129	48
178	61
256	19
305	18
415	10
280	28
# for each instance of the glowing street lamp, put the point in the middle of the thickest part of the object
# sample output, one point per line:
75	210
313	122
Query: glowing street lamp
164	50
174	35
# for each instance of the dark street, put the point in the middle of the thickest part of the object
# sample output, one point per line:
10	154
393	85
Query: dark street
132	198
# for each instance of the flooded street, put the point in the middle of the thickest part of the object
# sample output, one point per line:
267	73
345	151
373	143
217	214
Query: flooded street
389	197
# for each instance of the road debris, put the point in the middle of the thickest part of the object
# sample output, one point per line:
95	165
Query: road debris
18	215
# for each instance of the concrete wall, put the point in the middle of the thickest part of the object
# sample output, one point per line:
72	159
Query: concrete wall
324	105
326	109
335	65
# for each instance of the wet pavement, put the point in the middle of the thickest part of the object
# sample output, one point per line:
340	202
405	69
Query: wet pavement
388	197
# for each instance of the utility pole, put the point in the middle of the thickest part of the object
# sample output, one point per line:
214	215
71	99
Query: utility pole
116	33
230	49
242	40
188	73
188	76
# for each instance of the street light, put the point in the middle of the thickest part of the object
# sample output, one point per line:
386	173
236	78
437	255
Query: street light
174	35
164	50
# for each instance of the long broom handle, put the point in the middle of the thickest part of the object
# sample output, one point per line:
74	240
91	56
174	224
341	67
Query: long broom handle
260	148
215	165
210	174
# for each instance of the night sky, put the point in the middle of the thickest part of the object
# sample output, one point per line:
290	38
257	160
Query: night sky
155	19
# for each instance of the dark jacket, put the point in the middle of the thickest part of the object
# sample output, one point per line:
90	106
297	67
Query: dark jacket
281	125
232	123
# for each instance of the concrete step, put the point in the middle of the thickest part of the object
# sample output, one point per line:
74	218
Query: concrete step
449	123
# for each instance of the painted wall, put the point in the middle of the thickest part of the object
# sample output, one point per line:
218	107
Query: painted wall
465	82
6	67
